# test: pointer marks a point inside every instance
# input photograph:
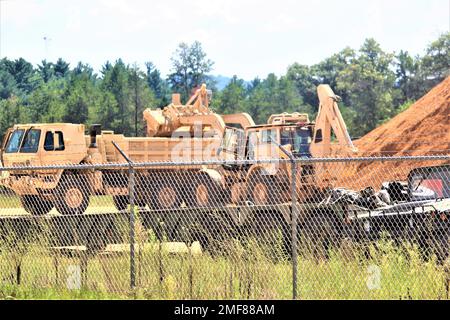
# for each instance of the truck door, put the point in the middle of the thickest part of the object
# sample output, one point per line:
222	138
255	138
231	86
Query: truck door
53	150
266	148
233	144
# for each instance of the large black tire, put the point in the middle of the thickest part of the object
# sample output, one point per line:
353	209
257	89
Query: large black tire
263	190
72	194
166	195
319	235
212	230
205	192
36	205
121	202
272	234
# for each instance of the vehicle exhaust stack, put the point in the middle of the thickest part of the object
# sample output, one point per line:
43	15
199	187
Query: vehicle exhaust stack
93	132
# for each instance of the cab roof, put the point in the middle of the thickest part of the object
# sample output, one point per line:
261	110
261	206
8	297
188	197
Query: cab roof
46	125
265	125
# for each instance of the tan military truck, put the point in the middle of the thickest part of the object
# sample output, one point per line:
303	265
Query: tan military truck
177	133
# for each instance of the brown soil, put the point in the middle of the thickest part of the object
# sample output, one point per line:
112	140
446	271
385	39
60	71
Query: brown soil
422	129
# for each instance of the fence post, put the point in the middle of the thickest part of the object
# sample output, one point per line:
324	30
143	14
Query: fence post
132	227
131	195
294	210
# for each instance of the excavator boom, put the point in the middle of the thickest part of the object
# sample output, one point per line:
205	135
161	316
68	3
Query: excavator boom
195	114
329	118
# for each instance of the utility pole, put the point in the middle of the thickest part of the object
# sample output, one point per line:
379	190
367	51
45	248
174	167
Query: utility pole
46	40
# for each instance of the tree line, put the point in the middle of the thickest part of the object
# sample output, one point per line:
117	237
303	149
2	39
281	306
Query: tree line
374	85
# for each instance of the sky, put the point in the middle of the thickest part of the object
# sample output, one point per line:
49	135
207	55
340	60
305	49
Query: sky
248	38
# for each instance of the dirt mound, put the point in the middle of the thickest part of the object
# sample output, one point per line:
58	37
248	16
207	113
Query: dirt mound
422	129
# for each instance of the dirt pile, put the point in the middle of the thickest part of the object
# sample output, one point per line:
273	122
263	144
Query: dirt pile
422	129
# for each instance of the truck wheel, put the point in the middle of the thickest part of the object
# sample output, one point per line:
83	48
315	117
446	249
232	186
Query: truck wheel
36	205
319	236
72	195
120	202
206	192
261	190
166	196
273	234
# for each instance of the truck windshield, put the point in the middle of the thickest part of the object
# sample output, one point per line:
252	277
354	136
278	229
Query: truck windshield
31	141
302	141
299	139
25	141
14	141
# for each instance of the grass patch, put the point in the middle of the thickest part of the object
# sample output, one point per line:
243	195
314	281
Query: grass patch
241	271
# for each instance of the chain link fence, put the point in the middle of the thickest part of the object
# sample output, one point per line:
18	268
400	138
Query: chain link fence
356	228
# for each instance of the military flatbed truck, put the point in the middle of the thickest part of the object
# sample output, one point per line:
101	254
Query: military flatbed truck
417	210
421	215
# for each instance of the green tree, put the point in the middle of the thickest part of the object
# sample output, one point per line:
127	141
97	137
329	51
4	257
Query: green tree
273	95
107	112
190	67
11	113
158	85
45	104
116	82
369	83
303	79
328	71
61	68
141	97
8	84
23	74
436	62
232	98
81	95
46	70
409	78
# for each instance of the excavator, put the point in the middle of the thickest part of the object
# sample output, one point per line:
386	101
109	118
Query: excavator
196	113
286	136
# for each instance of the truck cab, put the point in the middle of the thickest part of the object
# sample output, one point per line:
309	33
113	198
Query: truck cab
44	144
40	145
292	132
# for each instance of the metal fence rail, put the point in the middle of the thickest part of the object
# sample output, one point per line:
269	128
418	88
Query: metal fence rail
364	228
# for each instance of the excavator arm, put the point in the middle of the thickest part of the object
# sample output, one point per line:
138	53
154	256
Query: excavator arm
194	114
329	118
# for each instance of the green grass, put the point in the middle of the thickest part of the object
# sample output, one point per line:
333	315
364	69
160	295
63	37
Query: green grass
10	201
237	273
13	201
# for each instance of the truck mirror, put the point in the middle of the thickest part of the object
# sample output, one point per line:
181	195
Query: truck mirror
95	130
